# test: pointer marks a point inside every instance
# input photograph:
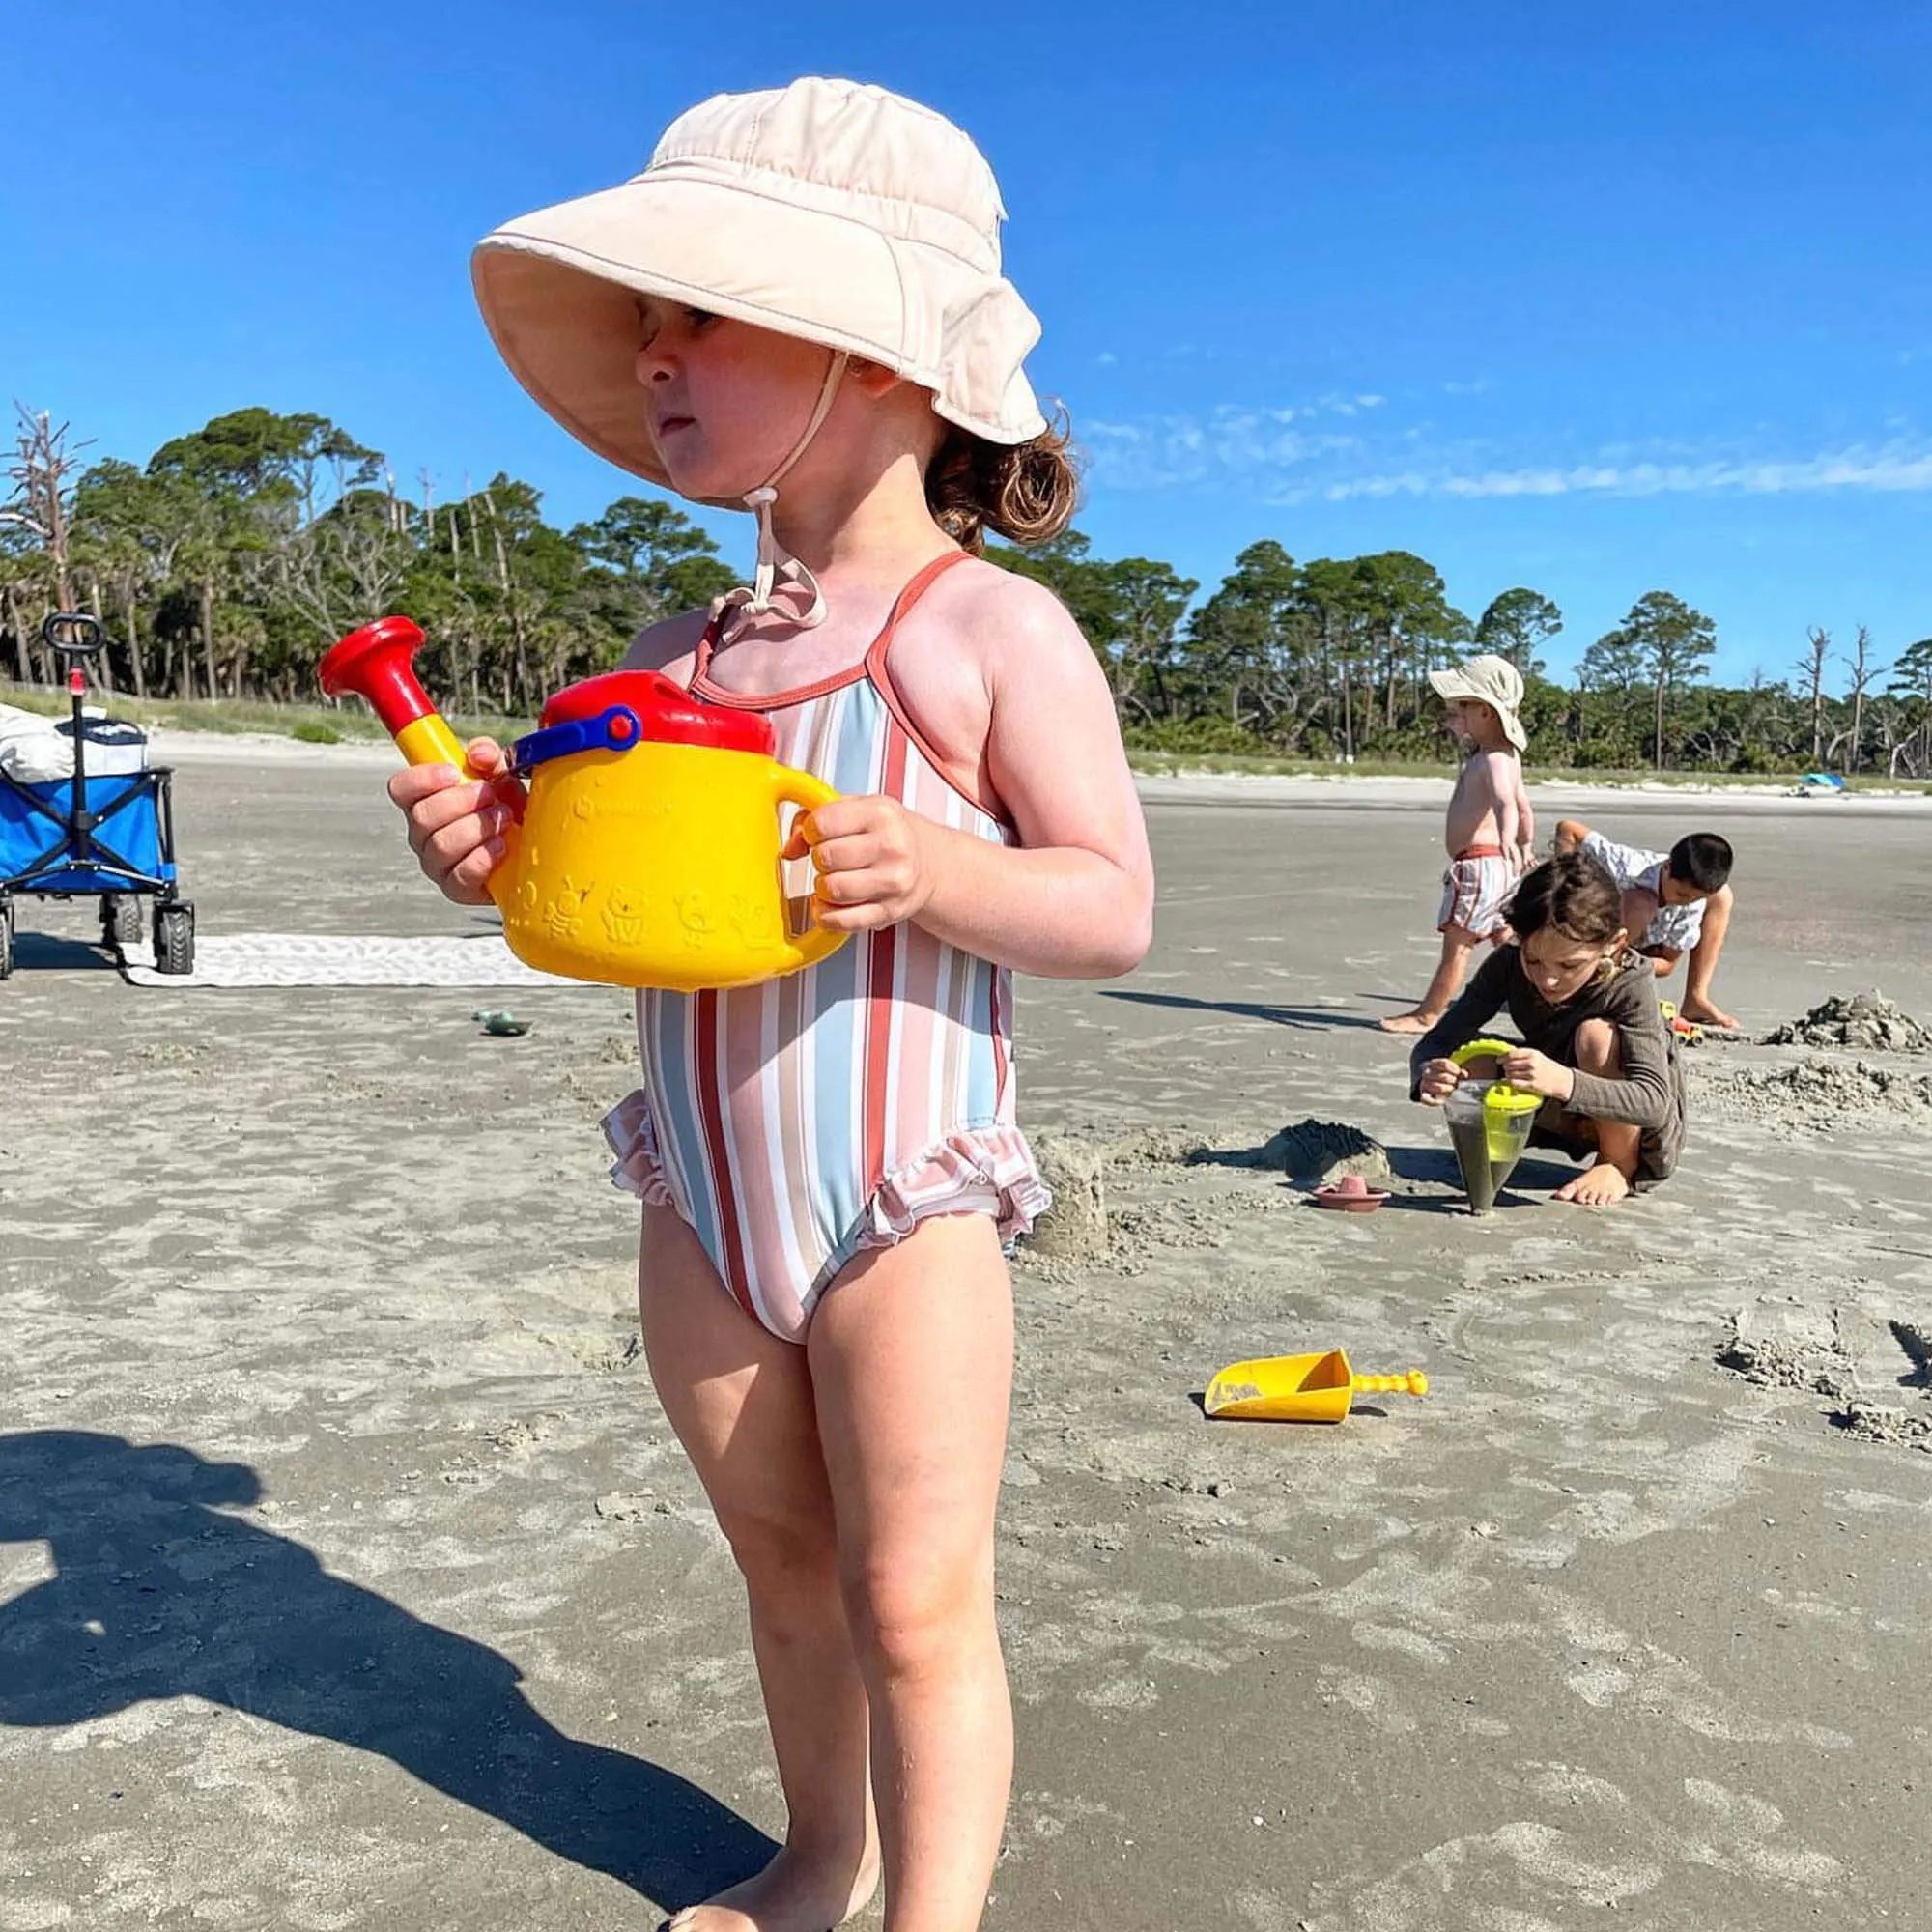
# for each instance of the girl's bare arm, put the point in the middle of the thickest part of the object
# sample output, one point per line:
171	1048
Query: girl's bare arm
1074	898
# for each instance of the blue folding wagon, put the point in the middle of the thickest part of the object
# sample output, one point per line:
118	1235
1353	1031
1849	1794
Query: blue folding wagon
108	833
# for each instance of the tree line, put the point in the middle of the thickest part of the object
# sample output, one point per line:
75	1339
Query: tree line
226	565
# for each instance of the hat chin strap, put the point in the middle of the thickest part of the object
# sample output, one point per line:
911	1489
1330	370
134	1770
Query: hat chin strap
780	583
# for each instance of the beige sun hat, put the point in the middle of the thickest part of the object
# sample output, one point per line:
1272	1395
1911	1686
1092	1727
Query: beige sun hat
1489	680
830	211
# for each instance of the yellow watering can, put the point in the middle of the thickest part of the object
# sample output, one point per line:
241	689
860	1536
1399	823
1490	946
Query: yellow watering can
648	849
1299	1389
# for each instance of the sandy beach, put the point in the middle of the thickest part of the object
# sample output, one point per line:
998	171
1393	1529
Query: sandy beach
350	1577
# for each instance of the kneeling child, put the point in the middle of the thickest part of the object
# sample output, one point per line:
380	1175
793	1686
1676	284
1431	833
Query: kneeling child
1595	1044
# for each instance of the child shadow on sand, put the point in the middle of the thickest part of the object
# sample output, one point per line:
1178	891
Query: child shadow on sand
159	1592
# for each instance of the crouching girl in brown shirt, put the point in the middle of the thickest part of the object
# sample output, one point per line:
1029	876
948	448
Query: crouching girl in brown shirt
1595	1044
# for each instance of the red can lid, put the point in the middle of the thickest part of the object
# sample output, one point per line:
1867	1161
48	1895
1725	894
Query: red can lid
668	713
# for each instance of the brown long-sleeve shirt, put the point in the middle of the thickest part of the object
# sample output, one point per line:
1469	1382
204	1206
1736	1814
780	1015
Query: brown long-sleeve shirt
1649	1094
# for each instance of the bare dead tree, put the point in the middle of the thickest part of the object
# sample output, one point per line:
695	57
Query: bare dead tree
1863	671
1812	666
513	606
342	567
42	471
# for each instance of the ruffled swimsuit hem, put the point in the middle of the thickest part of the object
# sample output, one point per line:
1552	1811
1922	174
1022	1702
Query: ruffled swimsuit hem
633	1135
982	1169
976	1169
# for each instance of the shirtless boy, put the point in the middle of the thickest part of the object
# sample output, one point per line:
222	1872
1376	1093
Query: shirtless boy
1490	829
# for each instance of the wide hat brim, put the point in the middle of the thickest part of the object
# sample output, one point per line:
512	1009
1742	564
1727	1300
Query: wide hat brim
1452	684
558	290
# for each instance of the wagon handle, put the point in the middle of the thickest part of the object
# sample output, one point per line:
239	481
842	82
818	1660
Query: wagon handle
72	633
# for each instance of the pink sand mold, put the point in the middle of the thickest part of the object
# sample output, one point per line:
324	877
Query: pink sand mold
1351	1195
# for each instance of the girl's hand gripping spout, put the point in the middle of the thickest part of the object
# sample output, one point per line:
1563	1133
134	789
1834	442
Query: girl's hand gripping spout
458	826
1540	1074
873	859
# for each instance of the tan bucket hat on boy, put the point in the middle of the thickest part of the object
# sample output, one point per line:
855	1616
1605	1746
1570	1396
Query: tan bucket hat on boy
1489	680
827	210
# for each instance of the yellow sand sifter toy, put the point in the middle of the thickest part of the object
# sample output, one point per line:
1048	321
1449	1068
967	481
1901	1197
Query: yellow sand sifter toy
1488	1124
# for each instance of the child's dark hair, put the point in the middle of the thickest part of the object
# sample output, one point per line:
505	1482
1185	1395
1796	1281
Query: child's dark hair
1575	894
1024	491
1702	860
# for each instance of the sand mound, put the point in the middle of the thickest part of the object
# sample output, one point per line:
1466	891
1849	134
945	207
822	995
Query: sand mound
1074	1228
1310	1152
1816	1093
1783	1361
1878	1422
1915	1340
1120	1197
1820	1364
1866	1021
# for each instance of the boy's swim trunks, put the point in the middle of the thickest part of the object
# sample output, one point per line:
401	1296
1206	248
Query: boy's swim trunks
1476	892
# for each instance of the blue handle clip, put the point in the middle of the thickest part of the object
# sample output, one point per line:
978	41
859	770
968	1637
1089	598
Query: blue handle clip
617	729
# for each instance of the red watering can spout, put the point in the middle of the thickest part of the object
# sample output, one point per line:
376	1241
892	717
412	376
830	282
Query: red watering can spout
376	663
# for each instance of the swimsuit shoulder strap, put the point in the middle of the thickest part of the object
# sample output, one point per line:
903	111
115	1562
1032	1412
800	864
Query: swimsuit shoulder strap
874	663
707	643
922	583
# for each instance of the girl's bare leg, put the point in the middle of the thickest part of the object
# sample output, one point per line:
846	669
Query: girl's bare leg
1457	946
1609	1178
912	1354
741	1402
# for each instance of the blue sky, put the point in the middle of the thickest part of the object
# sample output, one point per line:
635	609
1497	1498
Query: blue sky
1595	300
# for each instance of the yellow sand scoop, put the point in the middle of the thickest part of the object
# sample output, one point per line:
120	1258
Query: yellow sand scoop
1299	1389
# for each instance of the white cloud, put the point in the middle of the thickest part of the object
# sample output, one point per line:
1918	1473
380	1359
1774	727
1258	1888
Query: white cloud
1894	466
1327	450
1228	444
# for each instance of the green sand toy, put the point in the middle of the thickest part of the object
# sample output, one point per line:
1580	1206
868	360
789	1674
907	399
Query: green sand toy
505	1026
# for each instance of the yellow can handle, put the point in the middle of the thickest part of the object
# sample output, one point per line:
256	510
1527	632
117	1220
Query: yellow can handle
807	793
1481	1049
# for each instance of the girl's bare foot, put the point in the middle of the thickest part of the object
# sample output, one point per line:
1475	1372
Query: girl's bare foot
1409	1022
793	1894
1598	1186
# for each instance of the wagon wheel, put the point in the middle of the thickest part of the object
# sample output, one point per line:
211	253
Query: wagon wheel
122	921
6	939
174	938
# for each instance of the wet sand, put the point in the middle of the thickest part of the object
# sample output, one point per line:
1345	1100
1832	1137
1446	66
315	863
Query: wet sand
350	1577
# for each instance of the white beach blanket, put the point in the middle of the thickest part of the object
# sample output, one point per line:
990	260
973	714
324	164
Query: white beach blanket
337	959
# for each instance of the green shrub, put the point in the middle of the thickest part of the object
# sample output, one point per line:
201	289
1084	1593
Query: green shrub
310	732
1606	754
1197	735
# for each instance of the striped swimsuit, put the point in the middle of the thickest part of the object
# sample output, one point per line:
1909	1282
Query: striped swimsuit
796	1123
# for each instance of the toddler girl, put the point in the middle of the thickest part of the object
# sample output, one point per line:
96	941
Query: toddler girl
799	306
